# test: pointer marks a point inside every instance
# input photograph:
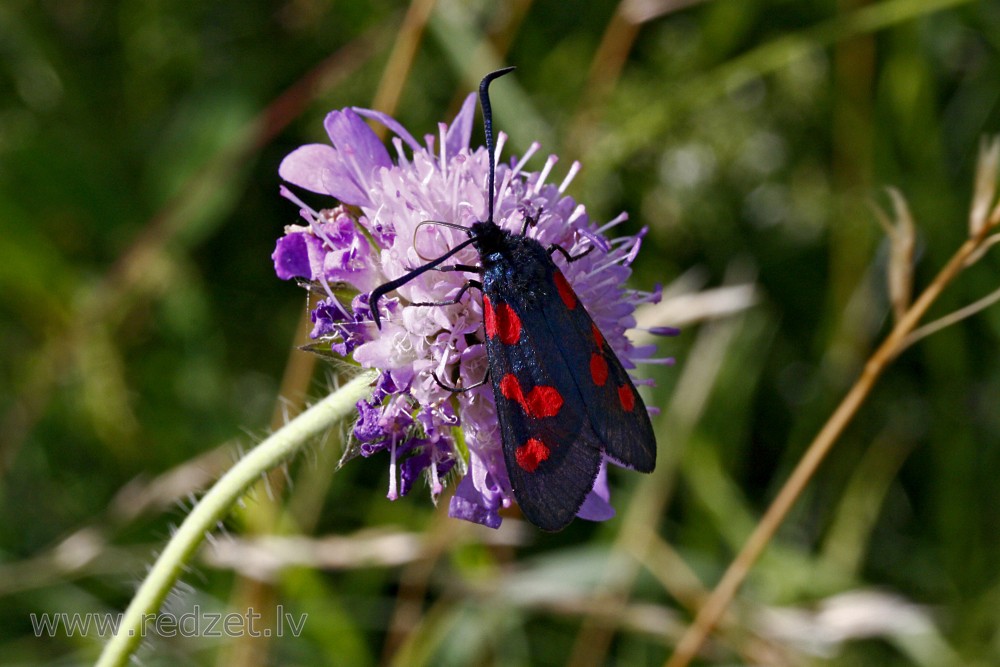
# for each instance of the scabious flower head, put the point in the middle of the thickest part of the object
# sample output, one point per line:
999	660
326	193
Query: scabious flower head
372	237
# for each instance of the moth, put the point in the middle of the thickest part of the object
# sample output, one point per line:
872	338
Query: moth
563	399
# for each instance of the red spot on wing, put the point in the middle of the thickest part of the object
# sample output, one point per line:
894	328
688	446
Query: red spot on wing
544	402
489	317
598	338
531	454
511	388
627	397
501	320
565	291
509	324
540	402
598	369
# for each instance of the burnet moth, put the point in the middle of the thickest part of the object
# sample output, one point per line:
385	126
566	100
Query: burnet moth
562	397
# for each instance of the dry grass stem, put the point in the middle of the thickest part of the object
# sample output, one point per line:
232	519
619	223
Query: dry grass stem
902	240
984	193
897	340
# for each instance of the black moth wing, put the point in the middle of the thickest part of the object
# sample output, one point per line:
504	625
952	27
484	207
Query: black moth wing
614	407
552	493
552	349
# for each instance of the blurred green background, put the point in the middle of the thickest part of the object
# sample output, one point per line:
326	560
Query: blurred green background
146	340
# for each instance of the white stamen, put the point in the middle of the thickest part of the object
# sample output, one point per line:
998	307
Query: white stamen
398	145
607	265
528	154
318	231
314	226
662	361
374	218
306	210
622	217
597	241
577	212
444	359
346	313
501	142
634	251
393	494
645	297
436	487
610	277
348	316
326	286
544	174
626	251
574	169
504	185
444	158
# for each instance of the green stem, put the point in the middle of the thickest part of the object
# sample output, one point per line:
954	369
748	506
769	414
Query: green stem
216	504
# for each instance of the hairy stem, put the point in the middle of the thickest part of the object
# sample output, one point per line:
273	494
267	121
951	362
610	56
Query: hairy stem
216	504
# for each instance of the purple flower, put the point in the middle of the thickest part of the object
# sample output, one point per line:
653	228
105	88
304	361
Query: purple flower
373	237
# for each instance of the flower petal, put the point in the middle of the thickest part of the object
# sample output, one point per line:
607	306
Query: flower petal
350	134
390	123
596	506
339	183
321	169
298	255
467	503
460	130
305	165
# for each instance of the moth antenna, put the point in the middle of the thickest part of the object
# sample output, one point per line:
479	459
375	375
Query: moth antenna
484	100
468	232
380	291
385	288
461	228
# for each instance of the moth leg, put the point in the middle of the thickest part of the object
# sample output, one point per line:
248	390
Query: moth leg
469	268
461	267
460	390
569	258
458	297
530	220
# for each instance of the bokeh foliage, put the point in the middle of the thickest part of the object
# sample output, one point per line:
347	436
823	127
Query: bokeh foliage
144	333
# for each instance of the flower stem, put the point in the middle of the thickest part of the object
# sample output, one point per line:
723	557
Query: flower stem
216	503
724	592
